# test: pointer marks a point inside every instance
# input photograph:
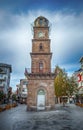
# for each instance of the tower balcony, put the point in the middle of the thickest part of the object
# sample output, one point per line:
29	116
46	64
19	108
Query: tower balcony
39	70
43	73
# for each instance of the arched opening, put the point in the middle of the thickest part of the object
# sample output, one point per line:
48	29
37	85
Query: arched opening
40	47
41	66
41	21
41	100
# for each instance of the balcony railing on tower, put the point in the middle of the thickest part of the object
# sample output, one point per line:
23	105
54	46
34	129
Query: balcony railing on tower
39	71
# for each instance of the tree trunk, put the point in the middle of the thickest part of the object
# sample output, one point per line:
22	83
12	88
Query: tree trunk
59	100
63	103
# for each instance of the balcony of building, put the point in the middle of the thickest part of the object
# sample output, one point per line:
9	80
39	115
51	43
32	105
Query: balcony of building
42	73
2	78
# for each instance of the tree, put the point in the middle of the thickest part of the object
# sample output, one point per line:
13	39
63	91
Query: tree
64	86
1	96
72	86
14	97
9	94
60	82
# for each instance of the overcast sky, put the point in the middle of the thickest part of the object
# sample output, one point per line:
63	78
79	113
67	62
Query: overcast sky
16	17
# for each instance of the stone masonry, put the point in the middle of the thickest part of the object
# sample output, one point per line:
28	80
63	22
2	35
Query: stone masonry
40	79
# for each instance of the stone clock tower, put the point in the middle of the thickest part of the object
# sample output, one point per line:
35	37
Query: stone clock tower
40	79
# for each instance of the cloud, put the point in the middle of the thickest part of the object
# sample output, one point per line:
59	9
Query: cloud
16	39
15	81
67	36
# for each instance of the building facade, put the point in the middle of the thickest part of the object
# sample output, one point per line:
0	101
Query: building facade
79	79
40	79
5	71
22	91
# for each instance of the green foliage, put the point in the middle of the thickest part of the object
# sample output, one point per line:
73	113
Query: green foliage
60	82
72	86
64	86
14	97
1	95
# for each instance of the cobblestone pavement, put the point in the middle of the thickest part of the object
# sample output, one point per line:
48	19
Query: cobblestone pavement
69	117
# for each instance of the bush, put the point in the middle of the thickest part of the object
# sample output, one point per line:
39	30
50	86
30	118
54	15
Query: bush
2	95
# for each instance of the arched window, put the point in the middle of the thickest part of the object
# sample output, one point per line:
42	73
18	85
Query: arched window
41	92
40	47
41	21
40	67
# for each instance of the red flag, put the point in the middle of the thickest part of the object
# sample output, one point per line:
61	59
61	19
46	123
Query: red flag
79	77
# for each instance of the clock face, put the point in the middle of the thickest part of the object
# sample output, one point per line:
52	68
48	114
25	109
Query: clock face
41	34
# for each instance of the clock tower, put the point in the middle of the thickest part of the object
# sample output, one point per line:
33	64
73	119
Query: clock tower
40	79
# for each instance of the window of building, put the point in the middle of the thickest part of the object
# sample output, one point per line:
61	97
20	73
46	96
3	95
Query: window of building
0	82
1	75
41	21
40	47
40	67
23	90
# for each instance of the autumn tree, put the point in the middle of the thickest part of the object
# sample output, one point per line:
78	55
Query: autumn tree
64	85
60	82
72	86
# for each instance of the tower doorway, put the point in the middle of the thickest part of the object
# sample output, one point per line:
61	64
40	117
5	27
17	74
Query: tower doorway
41	100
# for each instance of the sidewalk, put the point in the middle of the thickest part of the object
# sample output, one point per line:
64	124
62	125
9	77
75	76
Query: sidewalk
66	105
7	106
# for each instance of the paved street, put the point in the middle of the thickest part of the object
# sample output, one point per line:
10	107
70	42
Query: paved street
62	118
